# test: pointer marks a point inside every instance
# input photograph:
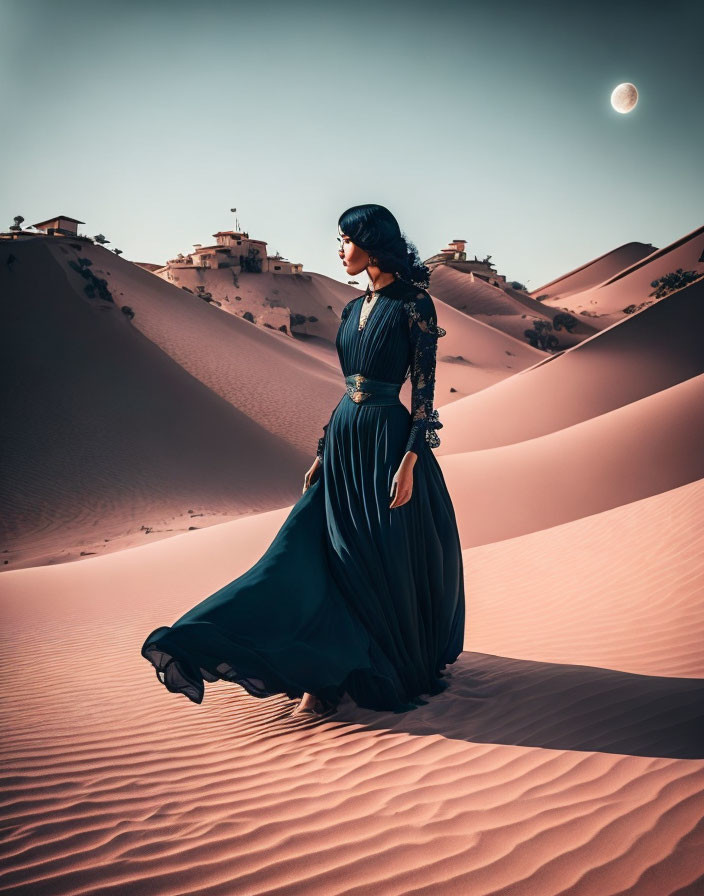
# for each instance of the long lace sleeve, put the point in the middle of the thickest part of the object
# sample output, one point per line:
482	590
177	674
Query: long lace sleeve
424	333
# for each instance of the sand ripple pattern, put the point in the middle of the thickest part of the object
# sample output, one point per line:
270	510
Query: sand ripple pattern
112	785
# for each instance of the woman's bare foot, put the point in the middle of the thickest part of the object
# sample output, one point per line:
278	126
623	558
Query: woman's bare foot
312	705
308	704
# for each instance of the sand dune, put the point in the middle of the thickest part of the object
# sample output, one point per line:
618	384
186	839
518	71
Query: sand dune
268	372
632	285
504	308
650	351
525	776
642	449
103	433
234	358
594	272
182	415
621	589
567	756
473	355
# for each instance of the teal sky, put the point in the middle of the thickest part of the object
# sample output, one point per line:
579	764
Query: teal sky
484	121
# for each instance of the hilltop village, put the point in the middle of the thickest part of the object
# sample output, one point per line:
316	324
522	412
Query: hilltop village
214	273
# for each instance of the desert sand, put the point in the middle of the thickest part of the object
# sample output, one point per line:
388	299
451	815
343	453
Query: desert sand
567	755
609	291
182	415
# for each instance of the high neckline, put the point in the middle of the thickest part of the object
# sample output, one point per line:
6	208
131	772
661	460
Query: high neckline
389	286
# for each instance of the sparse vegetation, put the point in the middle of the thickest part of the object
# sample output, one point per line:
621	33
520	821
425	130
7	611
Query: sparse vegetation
207	296
673	281
126	310
18	223
248	316
632	309
542	298
665	286
516	284
297	319
96	287
565	321
541	336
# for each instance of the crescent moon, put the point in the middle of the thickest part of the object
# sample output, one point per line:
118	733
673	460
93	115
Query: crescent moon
624	97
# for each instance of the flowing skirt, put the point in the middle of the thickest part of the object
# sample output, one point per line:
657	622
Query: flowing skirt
352	596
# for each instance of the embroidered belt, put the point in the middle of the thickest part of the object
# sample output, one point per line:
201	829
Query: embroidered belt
373	392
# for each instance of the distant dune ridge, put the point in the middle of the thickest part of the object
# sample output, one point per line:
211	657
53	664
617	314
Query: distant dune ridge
630	283
641	355
507	309
567	755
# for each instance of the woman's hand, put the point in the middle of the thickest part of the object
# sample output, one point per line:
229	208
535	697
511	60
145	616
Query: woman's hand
309	479
402	483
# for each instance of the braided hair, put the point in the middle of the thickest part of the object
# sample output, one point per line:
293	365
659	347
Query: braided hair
374	229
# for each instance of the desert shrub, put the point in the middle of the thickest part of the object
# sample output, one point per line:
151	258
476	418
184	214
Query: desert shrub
632	309
565	321
541	337
96	287
206	296
673	281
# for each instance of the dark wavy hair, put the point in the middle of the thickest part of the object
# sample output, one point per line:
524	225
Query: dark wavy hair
374	229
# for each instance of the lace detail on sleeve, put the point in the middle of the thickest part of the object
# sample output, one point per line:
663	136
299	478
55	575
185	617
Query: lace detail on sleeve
424	333
321	443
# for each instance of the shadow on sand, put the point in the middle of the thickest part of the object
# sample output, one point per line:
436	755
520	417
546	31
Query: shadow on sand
494	699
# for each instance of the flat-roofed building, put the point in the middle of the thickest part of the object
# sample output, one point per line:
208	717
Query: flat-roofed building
455	256
61	224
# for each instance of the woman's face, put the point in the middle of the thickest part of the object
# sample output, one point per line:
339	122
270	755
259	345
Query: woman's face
354	259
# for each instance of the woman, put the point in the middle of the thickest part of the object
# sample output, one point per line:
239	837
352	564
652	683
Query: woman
361	591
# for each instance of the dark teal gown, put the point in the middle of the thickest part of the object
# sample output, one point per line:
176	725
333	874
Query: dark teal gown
352	596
